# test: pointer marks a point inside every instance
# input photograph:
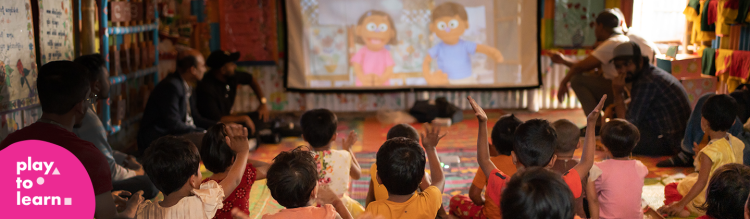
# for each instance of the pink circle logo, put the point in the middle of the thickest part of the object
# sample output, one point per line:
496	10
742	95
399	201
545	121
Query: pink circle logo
39	179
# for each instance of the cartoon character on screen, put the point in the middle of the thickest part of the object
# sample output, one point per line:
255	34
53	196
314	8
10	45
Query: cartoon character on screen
453	55
373	64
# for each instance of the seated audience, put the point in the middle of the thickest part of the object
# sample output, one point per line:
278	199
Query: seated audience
727	192
335	167
568	140
293	181
658	102
533	146
614	186
173	164
476	204
168	109
128	178
216	92
401	168
219	158
718	115
63	89
537	193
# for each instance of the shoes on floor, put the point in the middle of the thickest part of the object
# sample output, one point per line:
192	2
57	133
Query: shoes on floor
677	161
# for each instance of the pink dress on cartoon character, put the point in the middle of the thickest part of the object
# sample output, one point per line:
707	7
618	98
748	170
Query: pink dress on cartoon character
373	62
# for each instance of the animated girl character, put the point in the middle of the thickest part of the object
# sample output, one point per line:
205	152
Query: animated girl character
373	64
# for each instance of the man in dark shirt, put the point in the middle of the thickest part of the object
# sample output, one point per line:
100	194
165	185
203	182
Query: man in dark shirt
215	94
658	103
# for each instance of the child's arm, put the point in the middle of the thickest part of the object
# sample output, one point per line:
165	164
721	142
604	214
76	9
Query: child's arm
430	139
370	194
491	51
589	142
483	146
327	196
237	139
261	168
426	67
678	208
475	194
355	171
593	199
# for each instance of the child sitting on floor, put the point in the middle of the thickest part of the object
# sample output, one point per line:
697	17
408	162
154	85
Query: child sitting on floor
172	163
293	181
475	206
334	166
568	140
534	146
218	158
727	192
401	167
718	114
379	192
537	193
614	186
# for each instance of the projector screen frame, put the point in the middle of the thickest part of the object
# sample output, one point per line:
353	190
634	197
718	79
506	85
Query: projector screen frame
285	63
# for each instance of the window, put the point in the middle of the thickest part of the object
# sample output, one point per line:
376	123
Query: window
659	21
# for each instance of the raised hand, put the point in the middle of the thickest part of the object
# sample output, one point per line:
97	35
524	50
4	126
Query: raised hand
478	111
431	137
594	115
349	141
326	195
237	138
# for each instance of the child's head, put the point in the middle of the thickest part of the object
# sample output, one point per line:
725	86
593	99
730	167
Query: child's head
727	192
534	144
293	178
620	137
401	164
537	193
568	136
718	113
449	21
502	133
172	163
216	154
403	130
319	127
375	29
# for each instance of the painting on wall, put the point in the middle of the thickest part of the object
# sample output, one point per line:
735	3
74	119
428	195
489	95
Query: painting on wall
575	21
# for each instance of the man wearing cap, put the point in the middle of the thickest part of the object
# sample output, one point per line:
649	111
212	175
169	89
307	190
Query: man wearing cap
217	91
588	85
169	107
658	103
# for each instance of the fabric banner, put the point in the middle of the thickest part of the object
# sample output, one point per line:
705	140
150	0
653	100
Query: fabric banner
55	30
17	57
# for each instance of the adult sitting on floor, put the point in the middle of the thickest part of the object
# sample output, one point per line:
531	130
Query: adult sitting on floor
127	173
658	103
168	110
217	91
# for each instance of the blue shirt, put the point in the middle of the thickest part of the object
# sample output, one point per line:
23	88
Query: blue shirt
454	60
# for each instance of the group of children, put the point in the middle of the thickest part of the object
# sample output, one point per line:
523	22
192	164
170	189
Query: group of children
532	175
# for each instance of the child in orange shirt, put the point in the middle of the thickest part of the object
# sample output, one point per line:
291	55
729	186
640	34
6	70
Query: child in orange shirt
502	140
401	167
568	140
533	146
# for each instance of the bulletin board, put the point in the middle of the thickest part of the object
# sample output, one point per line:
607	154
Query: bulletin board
55	30
18	71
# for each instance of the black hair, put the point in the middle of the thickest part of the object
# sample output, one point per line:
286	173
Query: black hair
93	63
61	85
568	135
502	133
727	192
401	163
216	154
403	130
292	178
537	193
534	143
620	137
720	111
170	162
318	126
187	62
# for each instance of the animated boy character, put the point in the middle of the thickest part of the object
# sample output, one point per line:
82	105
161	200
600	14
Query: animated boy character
449	21
373	64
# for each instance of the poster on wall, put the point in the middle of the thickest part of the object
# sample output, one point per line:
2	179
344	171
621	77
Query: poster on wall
55	30
249	27
574	22
17	57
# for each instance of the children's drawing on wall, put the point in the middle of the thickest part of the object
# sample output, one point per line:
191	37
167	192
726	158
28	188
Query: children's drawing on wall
453	54
373	63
